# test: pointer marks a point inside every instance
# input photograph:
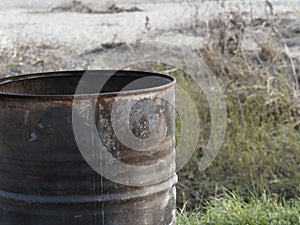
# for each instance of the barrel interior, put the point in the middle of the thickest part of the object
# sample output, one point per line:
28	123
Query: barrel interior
91	82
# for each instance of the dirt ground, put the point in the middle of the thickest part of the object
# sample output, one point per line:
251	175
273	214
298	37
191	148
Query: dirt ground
69	35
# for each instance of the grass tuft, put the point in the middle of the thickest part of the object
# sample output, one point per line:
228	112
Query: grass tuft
232	209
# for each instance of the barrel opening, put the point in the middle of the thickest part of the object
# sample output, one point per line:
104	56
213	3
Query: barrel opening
94	82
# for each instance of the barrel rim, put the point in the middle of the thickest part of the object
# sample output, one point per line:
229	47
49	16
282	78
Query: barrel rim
82	72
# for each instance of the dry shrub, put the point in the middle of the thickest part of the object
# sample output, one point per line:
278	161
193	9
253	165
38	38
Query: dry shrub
262	144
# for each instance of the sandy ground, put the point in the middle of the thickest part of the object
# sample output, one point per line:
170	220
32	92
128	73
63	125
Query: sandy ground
72	33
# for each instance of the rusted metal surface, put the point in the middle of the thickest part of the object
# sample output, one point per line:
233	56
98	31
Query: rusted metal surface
44	179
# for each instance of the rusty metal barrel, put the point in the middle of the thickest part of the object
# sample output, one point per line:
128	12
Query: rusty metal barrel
46	179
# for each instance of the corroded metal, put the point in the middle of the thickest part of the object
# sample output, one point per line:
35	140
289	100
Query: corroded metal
44	179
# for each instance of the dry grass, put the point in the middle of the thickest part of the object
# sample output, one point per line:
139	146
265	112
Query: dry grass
262	144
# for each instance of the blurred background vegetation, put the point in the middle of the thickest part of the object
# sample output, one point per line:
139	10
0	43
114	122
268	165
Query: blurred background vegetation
261	149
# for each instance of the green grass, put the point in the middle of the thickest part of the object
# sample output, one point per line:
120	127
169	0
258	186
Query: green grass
234	210
261	148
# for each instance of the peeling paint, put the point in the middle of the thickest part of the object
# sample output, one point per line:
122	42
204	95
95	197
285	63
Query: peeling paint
26	115
33	137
